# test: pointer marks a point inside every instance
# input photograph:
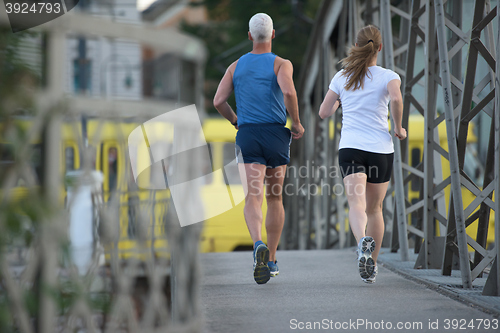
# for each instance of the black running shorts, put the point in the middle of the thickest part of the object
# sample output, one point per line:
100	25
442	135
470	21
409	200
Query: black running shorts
376	166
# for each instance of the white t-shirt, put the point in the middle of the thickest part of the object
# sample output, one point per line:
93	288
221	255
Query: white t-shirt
364	120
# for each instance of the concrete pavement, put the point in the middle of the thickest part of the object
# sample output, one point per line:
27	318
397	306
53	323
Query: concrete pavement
450	286
322	291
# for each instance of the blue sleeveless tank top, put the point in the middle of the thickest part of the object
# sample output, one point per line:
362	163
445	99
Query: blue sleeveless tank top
258	96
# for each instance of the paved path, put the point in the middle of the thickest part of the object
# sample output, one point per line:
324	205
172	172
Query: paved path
322	291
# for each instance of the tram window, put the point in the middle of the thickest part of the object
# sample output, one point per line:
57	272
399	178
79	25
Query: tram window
69	158
231	171
112	167
8	157
415	157
133	201
415	215
36	161
415	161
6	154
473	167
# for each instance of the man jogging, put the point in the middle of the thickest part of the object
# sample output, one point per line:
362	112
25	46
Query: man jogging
264	91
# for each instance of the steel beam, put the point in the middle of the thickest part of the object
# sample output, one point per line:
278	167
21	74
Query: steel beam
482	18
398	170
497	161
492	286
452	146
51	184
410	80
429	135
308	217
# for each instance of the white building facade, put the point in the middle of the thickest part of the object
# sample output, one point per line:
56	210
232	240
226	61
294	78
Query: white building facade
102	67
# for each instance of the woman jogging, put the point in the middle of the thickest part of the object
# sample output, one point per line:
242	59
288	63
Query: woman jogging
366	150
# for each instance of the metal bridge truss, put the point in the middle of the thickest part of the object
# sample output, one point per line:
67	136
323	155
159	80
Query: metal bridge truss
437	232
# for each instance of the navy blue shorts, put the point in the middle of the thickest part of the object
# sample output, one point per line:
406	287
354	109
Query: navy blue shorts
266	144
376	166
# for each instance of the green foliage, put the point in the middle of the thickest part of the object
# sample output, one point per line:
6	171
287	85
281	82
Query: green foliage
17	83
21	209
227	31
16	79
5	314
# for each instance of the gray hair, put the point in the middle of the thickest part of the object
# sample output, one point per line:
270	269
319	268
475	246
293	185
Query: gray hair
261	27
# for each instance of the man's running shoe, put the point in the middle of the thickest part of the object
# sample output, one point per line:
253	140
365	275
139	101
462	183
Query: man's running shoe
261	273
273	268
365	261
371	279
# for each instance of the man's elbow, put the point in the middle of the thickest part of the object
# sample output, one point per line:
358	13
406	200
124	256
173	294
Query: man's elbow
289	94
218	102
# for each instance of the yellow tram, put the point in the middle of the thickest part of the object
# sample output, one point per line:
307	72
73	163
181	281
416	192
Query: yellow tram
221	233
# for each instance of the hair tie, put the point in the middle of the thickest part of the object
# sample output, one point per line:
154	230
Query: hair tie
369	41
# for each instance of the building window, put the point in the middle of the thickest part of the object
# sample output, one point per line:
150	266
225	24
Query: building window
415	161
82	75
112	167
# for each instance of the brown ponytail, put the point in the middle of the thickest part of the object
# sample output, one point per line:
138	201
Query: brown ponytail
356	63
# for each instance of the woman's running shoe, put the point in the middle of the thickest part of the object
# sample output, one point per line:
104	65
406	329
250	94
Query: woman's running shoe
366	263
371	279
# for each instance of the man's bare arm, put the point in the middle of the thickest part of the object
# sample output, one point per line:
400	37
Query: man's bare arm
225	90
285	81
